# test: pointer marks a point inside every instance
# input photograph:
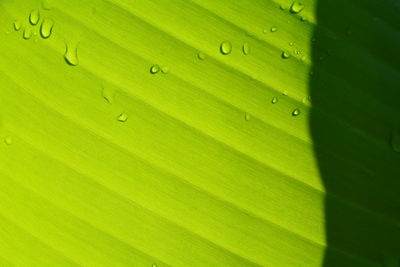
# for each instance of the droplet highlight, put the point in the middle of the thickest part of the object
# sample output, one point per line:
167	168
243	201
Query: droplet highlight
296	112
246	48
226	47
46	28
123	117
71	54
296	7
34	17
17	25
154	69
395	140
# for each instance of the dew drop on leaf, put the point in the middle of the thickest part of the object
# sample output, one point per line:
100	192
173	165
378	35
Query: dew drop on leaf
291	44
46	28
71	54
274	29
285	55
225	47
285	93
247	116
246	48
8	140
34	17
296	112
154	69
164	69
27	33
123	117
108	94
17	25
395	140
296	7
274	100
201	55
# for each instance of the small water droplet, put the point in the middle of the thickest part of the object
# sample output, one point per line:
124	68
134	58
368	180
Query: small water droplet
274	29
123	117
274	100
296	112
17	25
8	140
395	140
285	92
164	69
154	265
291	44
246	48
46	28
247	116
71	54
34	17
285	55
225	47
296	7
201	55
154	69
303	19
27	33
46	4
108	94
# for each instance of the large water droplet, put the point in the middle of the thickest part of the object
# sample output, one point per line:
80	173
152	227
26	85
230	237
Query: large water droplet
395	140
71	54
17	25
201	55
246	48
27	33
123	117
46	28
247	116
154	69
296	7
296	112
274	29
285	55
34	17
8	140
226	47
108	94
274	100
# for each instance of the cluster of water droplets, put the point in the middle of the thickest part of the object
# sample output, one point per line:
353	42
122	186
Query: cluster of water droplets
34	19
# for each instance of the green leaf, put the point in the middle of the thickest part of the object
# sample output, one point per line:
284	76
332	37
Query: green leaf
199	133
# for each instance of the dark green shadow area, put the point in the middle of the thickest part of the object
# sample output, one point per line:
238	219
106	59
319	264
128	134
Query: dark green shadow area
355	92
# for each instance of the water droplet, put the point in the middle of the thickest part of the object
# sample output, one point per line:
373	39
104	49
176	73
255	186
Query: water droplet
201	56
164	69
296	7
247	116
246	48
71	54
154	69
395	140
303	19
46	28
27	33
285	55
291	44
274	100
226	47
154	265
123	117
46	4
34	17
265	31
17	25
296	112
108	94
274	29
8	140
285	93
